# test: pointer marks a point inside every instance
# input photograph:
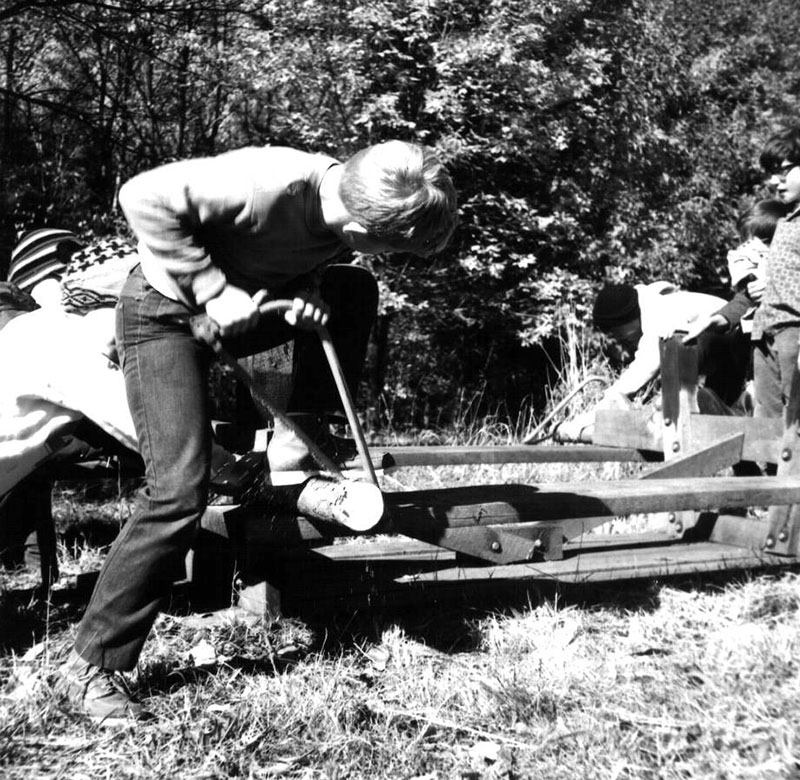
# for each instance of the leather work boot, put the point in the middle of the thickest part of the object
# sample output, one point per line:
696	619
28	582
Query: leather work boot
99	694
289	460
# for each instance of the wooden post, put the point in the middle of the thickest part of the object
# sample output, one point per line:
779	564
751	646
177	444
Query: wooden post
679	376
783	536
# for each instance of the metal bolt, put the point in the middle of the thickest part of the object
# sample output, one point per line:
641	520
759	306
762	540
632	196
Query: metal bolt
676	445
679	528
786	454
537	542
496	547
667	421
770	542
783	536
671	517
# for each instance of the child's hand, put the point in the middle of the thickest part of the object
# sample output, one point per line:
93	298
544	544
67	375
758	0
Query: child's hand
702	324
755	290
233	310
308	312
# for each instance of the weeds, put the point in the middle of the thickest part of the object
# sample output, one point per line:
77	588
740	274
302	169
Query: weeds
646	682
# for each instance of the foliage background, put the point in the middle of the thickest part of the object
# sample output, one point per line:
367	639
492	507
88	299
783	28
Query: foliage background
589	140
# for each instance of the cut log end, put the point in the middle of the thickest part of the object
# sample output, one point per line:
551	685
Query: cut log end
355	505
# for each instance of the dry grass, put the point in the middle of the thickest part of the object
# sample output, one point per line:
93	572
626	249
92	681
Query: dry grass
664	681
672	682
669	681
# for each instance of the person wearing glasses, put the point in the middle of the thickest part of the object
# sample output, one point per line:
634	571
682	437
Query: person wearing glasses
776	322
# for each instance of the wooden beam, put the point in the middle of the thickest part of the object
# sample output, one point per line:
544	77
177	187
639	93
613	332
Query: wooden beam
701	463
501	504
783	537
576	507
609	565
400	457
638	429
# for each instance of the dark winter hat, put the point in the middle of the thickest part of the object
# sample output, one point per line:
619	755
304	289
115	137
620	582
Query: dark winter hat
41	254
616	304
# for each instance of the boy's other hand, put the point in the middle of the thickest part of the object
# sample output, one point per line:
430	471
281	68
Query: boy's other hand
233	310
702	324
755	290
308	312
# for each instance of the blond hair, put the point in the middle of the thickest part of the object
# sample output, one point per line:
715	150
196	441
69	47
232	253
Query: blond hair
400	193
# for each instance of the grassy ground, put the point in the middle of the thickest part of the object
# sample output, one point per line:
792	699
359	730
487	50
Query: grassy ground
668	680
653	680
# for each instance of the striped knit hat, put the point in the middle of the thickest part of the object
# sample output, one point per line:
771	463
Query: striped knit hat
41	254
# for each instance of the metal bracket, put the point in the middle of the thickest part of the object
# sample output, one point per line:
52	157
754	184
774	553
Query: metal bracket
500	545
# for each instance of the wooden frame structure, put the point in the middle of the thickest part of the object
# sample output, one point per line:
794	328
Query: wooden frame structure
454	537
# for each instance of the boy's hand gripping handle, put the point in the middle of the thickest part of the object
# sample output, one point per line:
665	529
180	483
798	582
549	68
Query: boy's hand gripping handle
205	330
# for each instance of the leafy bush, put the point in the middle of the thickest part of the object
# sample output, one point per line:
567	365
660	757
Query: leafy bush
589	140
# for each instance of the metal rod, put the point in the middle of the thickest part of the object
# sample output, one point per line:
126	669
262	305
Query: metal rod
531	437
282	306
200	326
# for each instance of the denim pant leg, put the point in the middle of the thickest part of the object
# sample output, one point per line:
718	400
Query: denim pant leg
774	365
165	373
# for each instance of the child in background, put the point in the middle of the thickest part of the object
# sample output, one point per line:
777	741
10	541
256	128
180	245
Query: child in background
776	323
746	266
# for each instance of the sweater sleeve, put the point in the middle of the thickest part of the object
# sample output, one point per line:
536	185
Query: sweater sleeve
168	207
646	364
736	308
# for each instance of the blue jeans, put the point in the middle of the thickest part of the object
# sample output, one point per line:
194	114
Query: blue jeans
166	372
774	365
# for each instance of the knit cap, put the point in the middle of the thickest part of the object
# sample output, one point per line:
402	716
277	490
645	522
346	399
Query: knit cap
616	304
41	254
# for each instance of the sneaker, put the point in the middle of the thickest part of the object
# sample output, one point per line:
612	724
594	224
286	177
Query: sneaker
99	694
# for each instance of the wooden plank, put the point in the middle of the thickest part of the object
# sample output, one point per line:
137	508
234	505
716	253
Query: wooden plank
701	463
705	463
609	565
241	475
402	457
750	532
348	577
638	429
398	457
679	376
577	507
500	504
784	533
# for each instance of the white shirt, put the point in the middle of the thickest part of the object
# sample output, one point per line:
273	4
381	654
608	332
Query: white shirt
664	309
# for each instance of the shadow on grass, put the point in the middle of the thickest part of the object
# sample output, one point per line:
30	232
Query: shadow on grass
444	618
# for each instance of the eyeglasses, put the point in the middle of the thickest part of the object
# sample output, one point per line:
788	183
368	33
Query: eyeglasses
784	170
